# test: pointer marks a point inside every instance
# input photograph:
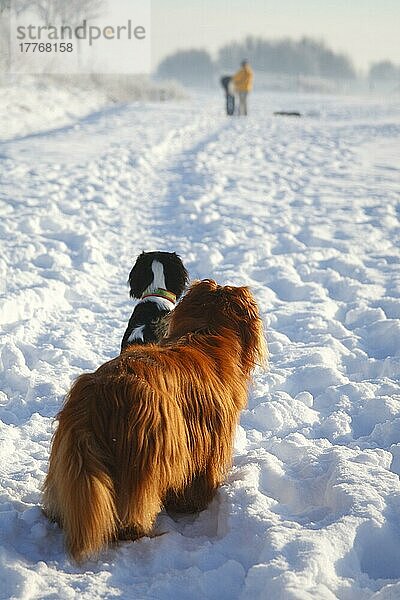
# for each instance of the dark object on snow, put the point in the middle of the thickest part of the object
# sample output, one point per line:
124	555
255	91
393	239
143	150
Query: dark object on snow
230	98
285	113
230	104
157	280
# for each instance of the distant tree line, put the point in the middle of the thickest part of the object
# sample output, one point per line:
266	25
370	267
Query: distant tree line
190	67
303	57
384	71
285	56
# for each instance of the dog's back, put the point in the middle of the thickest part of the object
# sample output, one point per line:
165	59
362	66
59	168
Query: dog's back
147	324
124	442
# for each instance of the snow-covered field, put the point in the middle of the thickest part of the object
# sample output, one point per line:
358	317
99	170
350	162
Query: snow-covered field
306	212
32	106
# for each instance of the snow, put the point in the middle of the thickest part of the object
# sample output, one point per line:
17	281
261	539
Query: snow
29	106
304	211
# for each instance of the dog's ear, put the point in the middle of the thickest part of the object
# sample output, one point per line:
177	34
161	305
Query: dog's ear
176	276
241	308
240	300
141	275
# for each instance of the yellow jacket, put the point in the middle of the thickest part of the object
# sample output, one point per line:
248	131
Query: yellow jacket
243	79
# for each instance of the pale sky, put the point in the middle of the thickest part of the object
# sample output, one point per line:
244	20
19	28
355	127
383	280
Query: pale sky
366	30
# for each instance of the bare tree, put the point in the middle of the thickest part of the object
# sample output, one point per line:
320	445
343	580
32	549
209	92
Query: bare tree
74	11
52	12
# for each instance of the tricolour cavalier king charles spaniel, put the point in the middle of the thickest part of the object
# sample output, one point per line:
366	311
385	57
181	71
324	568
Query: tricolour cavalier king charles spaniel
154	427
157	280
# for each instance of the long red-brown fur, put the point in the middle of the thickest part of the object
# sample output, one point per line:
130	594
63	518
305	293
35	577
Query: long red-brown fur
155	425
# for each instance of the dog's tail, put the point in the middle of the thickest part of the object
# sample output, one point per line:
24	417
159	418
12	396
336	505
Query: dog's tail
79	491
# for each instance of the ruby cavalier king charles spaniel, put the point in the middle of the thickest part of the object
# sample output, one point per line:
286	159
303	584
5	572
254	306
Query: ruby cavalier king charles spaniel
154	427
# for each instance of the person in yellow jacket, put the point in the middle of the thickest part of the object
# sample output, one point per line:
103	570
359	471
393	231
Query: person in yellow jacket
243	83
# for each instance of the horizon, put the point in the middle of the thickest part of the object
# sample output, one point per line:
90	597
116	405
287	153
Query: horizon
366	31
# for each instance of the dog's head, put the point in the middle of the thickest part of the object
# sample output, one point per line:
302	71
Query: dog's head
154	270
212	308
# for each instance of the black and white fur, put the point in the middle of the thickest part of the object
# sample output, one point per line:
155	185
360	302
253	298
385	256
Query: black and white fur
153	270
